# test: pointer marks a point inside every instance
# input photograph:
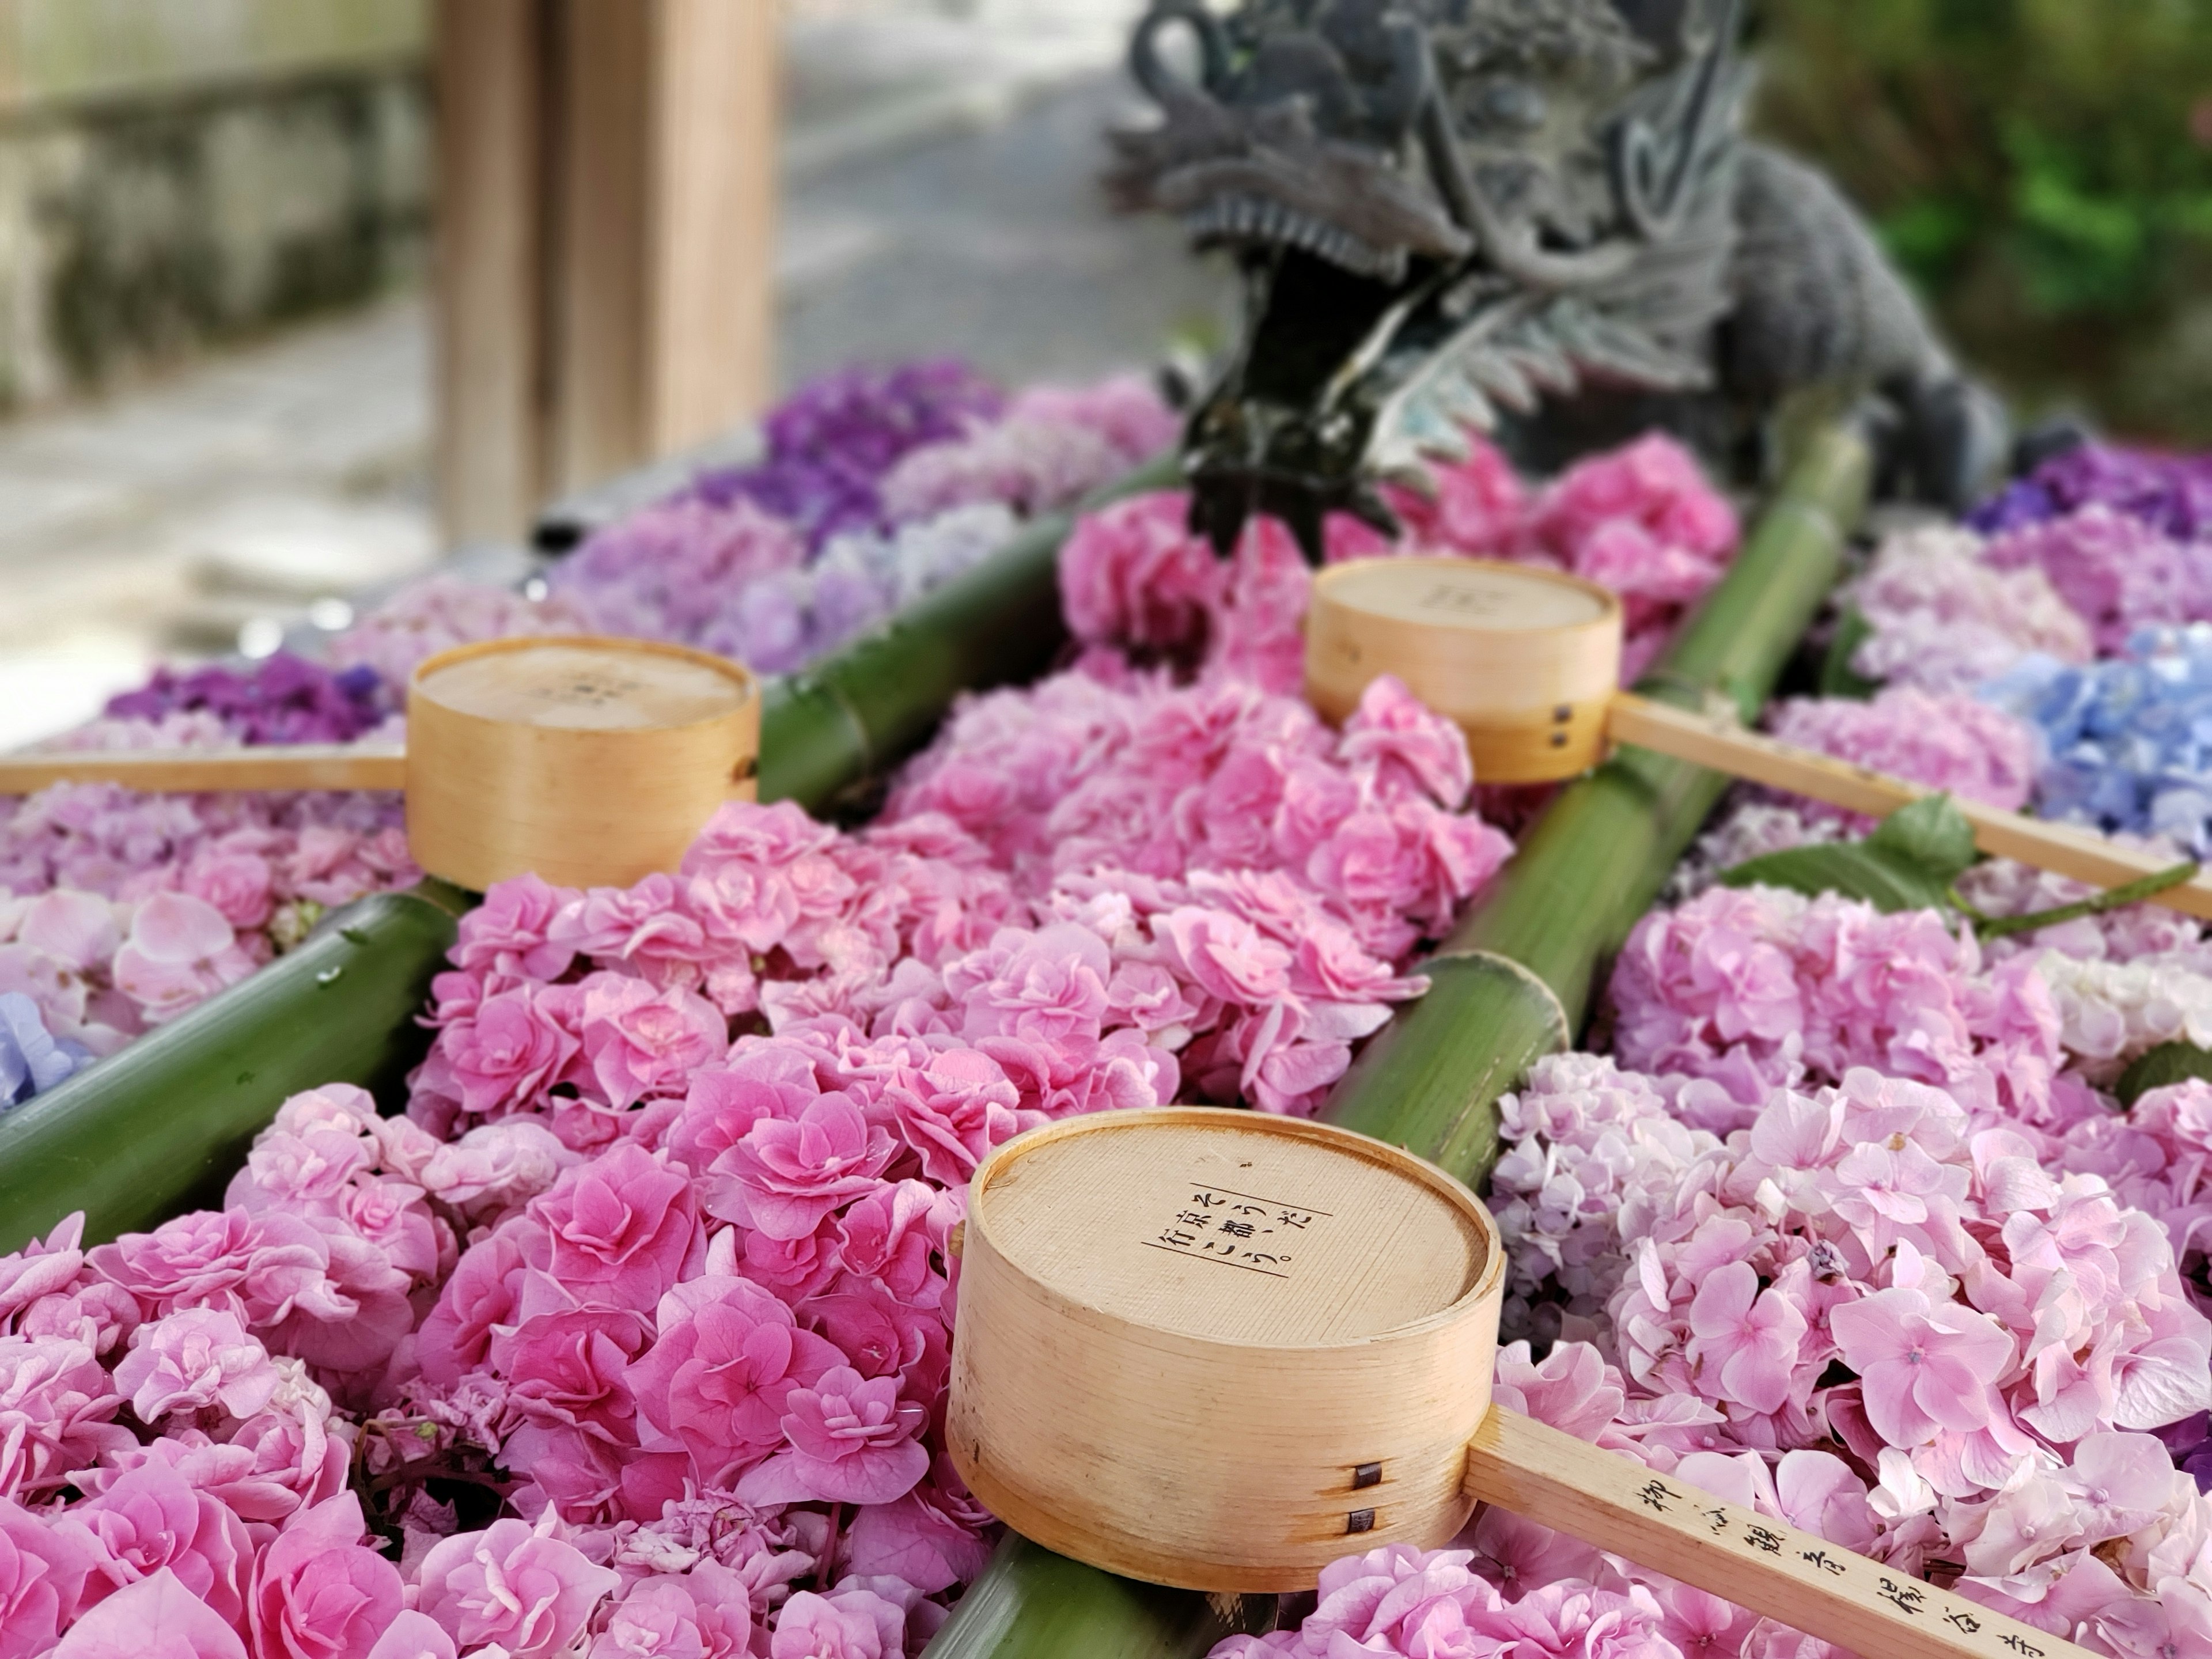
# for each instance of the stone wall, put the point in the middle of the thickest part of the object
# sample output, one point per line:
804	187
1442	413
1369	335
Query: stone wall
179	173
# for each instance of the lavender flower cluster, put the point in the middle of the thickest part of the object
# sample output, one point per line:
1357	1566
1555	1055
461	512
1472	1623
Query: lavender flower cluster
877	487
280	699
2170	493
830	444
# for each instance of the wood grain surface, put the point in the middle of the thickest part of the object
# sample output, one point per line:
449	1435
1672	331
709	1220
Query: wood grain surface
276	766
1219	1350
1619	1504
590	761
1522	660
2064	849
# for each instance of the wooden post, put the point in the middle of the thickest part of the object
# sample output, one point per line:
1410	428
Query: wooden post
491	404
606	293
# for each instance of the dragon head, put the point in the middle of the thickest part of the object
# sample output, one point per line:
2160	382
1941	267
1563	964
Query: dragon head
1443	212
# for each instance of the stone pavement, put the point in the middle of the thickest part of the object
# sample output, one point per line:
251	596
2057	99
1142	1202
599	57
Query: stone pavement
941	198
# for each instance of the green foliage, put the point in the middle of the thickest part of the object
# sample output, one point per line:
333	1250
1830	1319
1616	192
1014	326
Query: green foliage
2043	168
1908	863
1837	677
1913	860
2170	1062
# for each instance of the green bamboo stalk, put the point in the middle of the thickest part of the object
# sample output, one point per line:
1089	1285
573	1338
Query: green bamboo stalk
1030	1601
1592	865
1510	985
160	1126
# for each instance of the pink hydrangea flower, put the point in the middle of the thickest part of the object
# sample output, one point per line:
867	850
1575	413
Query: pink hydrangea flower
2114	569
181	950
640	1041
159	1617
318	1593
1945	741
43	1563
846	1623
620	1225
1748	1339
527	1591
195	1358
148	1520
719	1376
1133	574
705	1613
509	934
513	1048
56	1414
786	1175
481	1295
413	1635
852	1440
240	884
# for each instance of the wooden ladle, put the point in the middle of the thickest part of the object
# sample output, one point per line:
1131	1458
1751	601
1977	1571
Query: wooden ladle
592	762
1527	662
1219	1350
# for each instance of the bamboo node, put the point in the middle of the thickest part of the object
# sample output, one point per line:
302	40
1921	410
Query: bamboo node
1562	1027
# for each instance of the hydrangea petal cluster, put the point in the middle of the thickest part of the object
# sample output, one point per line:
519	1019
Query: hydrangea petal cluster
1054	446
787	620
128	910
2125	740
1224	780
2119	572
1869	1294
2170	493
1746	989
436	613
1641	520
1943	620
280	699
831	443
1944	741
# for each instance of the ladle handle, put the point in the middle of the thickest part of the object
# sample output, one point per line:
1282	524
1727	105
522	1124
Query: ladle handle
1725	746
1666	1524
276	766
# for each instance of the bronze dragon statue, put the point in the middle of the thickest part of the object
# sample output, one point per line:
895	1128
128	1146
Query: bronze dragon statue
1538	218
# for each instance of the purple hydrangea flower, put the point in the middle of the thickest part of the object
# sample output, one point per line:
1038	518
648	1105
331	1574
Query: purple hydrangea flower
283	699
2191	1442
831	443
2171	492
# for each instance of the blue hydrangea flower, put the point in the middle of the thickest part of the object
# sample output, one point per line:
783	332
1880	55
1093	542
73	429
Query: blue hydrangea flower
32	1060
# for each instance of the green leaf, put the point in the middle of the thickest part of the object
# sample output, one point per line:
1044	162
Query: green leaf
1931	834
1847	868
1909	863
2170	1062
1837	677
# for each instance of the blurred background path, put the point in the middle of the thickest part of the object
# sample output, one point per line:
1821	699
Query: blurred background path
940	167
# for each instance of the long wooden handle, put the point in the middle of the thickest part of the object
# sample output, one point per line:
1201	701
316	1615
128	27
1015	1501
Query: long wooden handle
1750	1559
1719	743
296	766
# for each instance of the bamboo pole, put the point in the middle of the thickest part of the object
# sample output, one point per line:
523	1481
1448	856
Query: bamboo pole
1511	984
157	1129
1591	867
160	1126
